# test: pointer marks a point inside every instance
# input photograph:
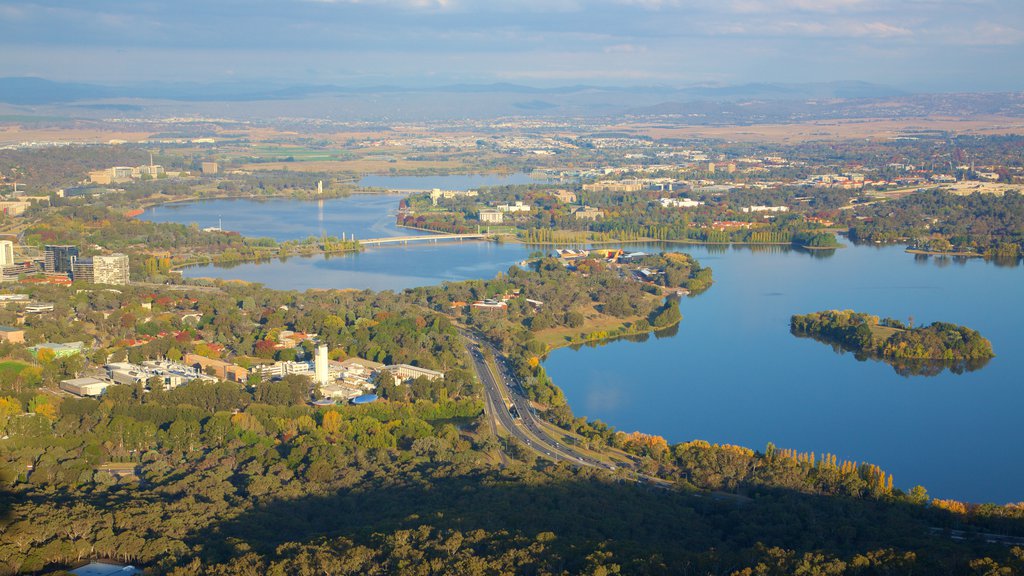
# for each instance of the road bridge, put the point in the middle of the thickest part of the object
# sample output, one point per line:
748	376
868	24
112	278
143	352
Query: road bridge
423	238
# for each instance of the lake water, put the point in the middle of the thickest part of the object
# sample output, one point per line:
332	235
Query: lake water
450	182
733	373
365	215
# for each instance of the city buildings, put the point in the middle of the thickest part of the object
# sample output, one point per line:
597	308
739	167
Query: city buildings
111	269
60	350
84	386
219	368
614	186
6	253
518	206
588	213
404	372
436	194
59	259
564	196
11	334
492	216
679	203
321	365
750	209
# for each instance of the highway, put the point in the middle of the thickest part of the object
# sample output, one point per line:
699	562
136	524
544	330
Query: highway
503	392
502	389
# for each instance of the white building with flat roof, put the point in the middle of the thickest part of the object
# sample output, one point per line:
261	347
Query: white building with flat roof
403	372
84	386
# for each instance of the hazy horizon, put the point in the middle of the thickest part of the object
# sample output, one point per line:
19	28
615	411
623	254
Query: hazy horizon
912	45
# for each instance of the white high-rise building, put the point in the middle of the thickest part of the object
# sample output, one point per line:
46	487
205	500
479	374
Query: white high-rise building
6	252
321	367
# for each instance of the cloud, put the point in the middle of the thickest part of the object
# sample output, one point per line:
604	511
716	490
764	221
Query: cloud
779	6
987	34
625	49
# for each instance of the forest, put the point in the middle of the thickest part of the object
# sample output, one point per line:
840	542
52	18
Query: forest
956	347
982	224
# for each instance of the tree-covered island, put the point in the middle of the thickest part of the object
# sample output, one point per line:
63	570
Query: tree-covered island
920	350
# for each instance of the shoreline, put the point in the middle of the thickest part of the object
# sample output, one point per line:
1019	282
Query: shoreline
918	252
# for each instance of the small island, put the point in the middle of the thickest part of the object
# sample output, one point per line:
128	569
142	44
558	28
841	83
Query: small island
925	350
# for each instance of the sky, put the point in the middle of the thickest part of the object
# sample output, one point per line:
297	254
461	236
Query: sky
923	45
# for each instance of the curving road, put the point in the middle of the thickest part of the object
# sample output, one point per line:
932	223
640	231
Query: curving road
503	397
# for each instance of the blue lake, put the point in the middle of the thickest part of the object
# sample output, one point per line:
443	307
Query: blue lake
365	215
733	373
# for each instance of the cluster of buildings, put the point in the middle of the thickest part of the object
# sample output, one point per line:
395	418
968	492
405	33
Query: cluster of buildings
750	209
164	373
65	261
679	203
437	194
343	380
116	174
23	306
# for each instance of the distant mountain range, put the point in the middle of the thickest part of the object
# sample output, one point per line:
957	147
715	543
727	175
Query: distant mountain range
697	105
38	91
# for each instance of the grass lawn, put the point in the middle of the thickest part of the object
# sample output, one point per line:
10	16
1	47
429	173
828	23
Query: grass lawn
883	332
12	367
593	321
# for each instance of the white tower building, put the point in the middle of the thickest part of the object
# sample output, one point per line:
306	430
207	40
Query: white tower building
320	366
6	252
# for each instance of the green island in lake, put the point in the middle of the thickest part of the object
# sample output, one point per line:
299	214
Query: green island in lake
925	350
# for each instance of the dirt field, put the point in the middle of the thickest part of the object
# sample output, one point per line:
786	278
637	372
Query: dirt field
968	188
876	129
359	166
15	135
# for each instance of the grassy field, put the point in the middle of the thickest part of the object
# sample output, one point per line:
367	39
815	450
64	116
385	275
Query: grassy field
883	332
593	321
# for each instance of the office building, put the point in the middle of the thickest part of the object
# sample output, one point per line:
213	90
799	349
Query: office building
59	259
111	269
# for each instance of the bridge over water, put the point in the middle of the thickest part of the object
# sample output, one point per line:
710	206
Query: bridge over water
425	238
